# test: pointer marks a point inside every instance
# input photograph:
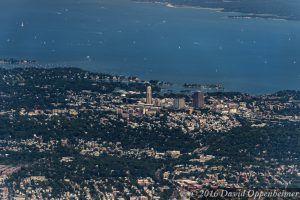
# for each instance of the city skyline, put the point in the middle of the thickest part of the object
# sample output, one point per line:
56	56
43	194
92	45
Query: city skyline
149	100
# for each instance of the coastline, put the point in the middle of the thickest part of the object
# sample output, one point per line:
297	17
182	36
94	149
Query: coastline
238	15
166	86
169	5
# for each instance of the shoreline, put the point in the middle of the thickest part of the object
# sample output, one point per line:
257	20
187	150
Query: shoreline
239	15
169	5
143	81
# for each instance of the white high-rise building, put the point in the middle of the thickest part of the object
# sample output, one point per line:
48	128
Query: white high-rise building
149	95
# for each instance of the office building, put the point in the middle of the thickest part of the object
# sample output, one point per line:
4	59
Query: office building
198	100
179	103
149	95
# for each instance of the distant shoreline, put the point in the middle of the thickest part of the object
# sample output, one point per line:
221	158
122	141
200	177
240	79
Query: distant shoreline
239	15
167	87
169	5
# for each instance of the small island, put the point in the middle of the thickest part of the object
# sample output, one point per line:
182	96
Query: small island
14	61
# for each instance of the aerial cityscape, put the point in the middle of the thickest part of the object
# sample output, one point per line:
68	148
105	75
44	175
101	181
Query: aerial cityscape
142	100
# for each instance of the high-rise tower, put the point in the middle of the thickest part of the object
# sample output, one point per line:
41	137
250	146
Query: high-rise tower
149	95
198	100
